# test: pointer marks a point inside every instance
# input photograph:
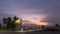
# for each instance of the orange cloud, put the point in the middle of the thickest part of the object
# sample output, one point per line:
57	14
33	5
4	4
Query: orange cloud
42	23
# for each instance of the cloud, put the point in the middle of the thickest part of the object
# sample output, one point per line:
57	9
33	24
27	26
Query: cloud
48	8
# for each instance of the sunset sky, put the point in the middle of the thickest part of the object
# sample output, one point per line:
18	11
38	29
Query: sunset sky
37	11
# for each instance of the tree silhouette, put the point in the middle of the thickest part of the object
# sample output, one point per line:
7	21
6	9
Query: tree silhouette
56	25
5	20
9	22
43	27
13	23
0	25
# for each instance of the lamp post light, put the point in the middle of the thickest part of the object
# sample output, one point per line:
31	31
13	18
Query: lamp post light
18	21
15	23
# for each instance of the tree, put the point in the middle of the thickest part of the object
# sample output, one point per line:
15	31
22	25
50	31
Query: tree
56	25
9	22
13	23
0	25
43	27
5	20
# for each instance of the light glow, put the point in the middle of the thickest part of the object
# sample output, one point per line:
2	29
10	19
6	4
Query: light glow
42	23
17	21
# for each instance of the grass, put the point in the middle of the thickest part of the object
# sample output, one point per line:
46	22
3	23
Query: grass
4	30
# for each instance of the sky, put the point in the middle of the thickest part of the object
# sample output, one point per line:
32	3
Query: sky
39	10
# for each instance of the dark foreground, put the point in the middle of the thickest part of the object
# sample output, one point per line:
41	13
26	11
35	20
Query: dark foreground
55	32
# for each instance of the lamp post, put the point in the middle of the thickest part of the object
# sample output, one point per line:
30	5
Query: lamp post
18	21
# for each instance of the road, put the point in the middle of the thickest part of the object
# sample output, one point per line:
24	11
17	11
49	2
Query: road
30	32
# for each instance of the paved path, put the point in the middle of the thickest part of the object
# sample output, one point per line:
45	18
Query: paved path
29	32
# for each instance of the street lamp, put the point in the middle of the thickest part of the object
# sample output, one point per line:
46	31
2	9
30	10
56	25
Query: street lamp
18	21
